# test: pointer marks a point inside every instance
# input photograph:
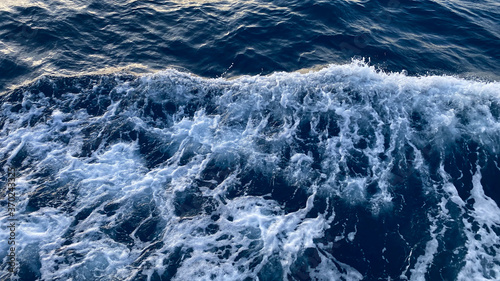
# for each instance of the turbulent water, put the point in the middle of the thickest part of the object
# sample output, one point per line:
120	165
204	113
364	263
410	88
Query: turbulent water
341	174
178	141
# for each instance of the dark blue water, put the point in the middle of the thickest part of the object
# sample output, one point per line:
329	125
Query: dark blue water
229	38
251	140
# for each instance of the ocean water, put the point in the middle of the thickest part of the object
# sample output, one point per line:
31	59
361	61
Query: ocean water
251	140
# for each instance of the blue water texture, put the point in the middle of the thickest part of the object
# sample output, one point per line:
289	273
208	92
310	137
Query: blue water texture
251	140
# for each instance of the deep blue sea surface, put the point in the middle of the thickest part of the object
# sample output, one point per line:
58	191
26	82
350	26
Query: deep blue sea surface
250	140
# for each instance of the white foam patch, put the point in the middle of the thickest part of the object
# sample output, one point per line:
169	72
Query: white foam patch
431	248
482	259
